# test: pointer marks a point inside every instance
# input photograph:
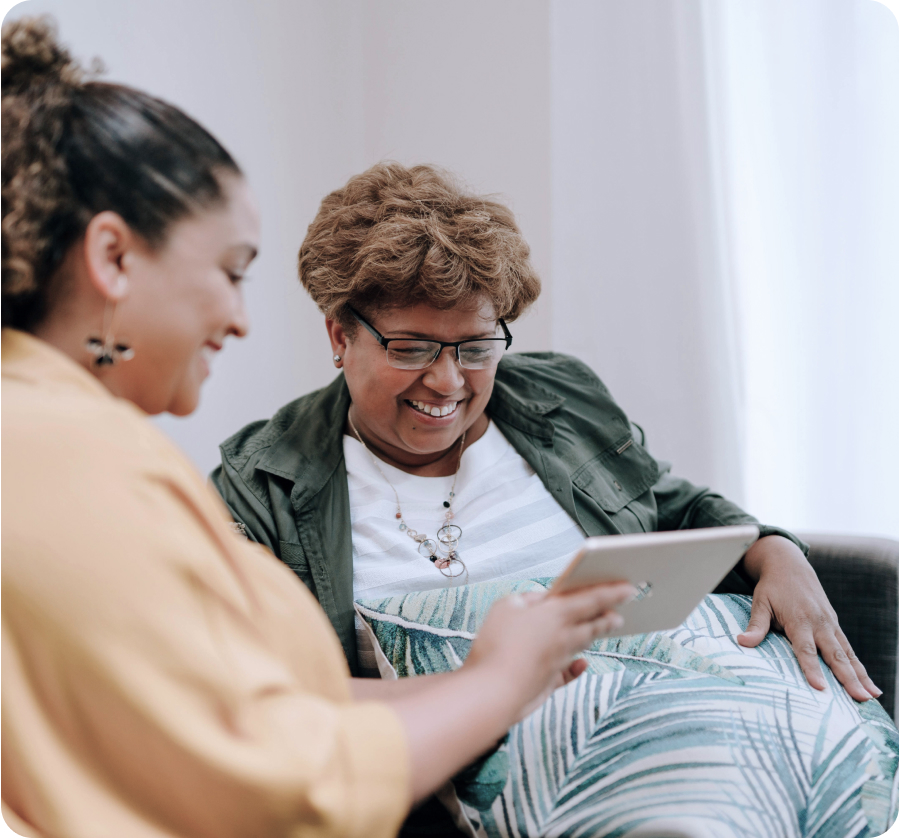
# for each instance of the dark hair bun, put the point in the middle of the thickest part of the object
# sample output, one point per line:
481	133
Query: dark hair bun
39	78
73	148
32	56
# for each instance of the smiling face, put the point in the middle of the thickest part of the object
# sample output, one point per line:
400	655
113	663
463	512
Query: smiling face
412	418
183	300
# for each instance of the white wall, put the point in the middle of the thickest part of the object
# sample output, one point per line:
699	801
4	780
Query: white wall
807	102
465	85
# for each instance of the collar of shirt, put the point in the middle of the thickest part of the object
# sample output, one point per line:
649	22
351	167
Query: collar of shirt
34	361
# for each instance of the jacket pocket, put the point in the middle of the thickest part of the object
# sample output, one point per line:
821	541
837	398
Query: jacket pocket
618	475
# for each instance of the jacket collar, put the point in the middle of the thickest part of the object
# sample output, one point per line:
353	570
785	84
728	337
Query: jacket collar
310	450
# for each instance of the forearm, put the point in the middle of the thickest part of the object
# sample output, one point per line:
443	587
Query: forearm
450	720
378	689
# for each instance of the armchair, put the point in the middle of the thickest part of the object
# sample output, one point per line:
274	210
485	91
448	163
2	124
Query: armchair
860	576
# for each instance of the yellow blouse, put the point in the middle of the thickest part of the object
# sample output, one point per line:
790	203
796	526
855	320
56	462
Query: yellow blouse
161	675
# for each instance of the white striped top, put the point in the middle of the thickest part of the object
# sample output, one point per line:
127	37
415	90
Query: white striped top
511	525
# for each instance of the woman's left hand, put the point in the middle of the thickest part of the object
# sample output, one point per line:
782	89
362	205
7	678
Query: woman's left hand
788	597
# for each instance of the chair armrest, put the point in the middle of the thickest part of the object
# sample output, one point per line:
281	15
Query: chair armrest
860	576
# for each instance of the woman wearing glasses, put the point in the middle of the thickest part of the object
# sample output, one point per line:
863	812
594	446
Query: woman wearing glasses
438	458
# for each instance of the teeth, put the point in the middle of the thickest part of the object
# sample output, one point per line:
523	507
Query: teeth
434	410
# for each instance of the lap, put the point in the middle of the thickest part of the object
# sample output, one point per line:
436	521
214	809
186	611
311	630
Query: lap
673	733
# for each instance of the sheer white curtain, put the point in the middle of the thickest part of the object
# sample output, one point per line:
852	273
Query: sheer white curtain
804	117
726	241
636	278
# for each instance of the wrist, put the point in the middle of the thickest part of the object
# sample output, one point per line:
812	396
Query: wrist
768	551
502	688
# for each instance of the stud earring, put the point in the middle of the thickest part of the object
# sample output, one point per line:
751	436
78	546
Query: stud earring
337	359
107	351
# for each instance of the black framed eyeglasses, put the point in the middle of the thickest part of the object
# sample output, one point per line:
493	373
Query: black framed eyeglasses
415	354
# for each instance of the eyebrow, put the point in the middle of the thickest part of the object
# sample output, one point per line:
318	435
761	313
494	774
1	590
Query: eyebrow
424	336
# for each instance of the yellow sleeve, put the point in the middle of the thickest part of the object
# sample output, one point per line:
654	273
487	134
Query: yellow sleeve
162	677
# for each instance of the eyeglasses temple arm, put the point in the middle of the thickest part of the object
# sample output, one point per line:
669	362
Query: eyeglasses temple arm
371	329
506	333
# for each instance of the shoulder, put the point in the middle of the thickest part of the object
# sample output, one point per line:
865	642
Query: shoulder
52	431
298	445
299	420
561	374
563	388
94	477
259	436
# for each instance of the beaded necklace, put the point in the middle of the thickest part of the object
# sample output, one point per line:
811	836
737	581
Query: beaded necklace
443	552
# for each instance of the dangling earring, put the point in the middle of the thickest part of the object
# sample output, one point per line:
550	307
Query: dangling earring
105	350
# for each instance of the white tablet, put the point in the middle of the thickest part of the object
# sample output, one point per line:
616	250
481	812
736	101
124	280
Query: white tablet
672	571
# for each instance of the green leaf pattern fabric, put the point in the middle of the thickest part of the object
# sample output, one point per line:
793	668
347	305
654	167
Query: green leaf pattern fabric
677	733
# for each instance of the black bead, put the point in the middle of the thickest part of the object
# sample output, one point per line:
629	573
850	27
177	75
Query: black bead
433	558
446	504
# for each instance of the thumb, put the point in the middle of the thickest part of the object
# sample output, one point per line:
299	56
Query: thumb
577	668
759	623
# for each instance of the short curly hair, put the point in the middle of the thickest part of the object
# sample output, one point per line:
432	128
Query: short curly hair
397	236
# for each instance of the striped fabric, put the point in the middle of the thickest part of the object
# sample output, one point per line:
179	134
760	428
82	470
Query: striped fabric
680	733
512	527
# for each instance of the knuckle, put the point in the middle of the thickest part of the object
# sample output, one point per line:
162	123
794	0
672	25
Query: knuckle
840	656
760	620
822	619
806	647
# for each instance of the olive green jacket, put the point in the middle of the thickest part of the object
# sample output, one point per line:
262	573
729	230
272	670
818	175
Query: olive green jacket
285	479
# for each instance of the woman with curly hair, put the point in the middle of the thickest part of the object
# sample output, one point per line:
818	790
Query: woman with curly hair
439	467
161	676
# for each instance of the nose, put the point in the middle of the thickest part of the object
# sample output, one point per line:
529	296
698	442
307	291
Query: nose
240	322
444	375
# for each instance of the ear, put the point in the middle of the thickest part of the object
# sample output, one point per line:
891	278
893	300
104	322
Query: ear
108	240
339	338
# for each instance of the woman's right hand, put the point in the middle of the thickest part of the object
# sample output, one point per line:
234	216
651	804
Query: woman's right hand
530	639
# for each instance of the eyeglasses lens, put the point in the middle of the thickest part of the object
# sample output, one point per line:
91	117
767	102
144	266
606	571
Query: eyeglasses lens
418	354
481	354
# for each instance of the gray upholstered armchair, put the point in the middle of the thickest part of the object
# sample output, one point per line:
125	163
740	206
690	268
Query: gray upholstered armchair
861	577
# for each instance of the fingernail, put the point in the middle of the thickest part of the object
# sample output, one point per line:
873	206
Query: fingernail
879	691
616	621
